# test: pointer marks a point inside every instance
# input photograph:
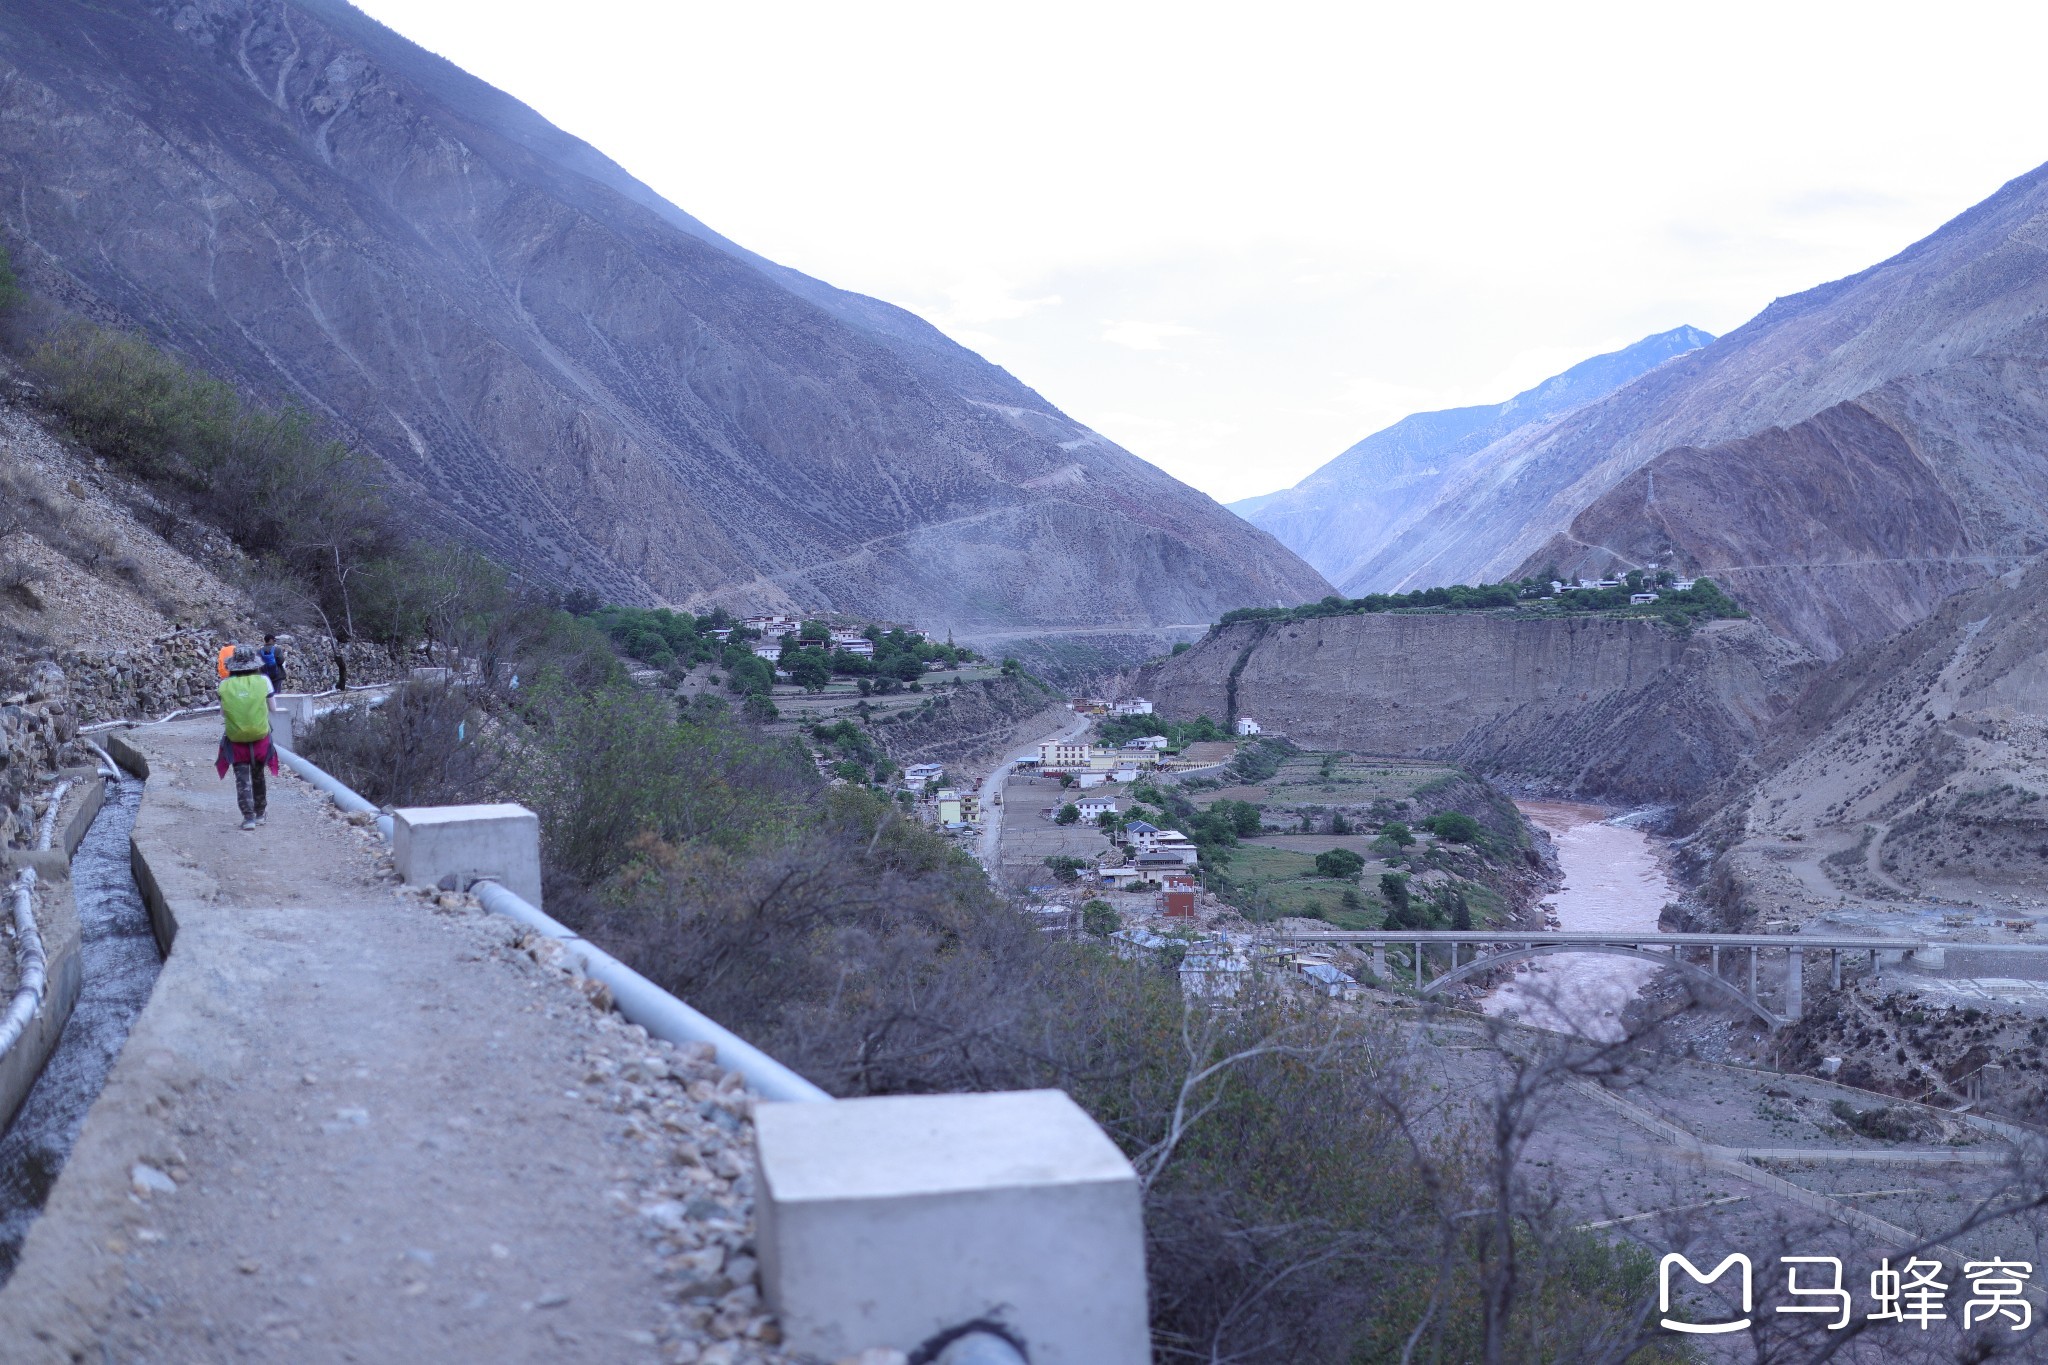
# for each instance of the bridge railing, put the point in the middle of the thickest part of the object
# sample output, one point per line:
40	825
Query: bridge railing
1510	945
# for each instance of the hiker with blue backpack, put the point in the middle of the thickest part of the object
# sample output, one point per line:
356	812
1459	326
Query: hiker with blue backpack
245	746
272	658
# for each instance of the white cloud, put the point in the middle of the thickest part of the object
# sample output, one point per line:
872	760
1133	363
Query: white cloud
1143	336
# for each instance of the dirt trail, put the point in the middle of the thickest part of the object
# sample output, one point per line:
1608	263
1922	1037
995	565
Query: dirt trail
371	1113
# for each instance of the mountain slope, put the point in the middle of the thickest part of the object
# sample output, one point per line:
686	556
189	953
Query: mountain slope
1909	777
1943	346
1336	517
551	358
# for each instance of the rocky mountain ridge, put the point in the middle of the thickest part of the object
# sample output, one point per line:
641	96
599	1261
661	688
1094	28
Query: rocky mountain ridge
1337	516
1911	774
1843	460
552	360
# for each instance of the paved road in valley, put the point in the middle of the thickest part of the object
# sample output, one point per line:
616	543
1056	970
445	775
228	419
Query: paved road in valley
991	841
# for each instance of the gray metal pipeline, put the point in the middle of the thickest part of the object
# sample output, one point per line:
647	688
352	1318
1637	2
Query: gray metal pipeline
652	1008
976	1347
340	794
48	830
108	768
28	952
638	999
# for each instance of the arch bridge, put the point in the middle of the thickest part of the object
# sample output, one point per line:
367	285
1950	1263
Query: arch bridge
1701	958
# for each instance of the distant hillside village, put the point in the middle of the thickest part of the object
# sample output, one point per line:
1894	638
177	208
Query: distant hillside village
756	652
1663	594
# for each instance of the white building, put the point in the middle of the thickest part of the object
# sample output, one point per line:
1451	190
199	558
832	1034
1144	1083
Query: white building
863	647
1134	706
1133	944
1063	754
1163	843
1093	808
1324	978
767	651
917	774
1146	742
1247	726
1683	584
1641	599
1087	780
1213	972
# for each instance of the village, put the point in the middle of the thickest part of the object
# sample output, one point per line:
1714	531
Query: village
1076	828
1099	818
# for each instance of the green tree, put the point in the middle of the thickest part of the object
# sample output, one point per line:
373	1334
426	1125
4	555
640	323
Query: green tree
1453	827
1100	919
1394	836
808	669
1065	867
747	674
1069	814
1394	889
1340	863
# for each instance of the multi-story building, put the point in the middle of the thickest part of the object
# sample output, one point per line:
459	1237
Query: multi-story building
1060	755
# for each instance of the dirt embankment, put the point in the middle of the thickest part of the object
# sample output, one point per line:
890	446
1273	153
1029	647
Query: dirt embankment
967	724
1912	775
1627	709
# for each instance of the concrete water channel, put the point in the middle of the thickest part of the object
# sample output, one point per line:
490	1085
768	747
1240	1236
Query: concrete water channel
119	956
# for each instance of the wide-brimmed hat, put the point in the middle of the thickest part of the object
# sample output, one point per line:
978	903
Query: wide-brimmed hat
245	660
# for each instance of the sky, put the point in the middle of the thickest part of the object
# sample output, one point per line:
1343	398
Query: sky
1235	239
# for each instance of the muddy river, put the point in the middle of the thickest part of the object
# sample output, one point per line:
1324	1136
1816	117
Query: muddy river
1612	880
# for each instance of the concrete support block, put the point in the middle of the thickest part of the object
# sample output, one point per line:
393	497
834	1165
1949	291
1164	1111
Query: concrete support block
1795	984
882	1222
469	842
291	715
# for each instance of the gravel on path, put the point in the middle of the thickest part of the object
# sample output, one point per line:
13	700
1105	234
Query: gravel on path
357	1122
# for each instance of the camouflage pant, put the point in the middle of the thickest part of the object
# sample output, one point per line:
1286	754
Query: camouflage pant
250	790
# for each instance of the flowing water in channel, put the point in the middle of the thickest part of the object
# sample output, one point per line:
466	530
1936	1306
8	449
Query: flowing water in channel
1612	880
120	962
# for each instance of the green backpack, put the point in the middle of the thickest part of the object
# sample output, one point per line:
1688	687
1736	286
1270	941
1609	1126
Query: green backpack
245	706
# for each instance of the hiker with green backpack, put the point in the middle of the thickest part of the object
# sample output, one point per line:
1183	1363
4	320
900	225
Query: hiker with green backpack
246	746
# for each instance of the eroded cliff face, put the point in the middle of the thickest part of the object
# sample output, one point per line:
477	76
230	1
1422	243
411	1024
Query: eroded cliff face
1629	709
555	361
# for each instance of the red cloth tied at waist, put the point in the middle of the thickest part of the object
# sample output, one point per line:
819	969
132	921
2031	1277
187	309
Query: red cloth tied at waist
257	751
